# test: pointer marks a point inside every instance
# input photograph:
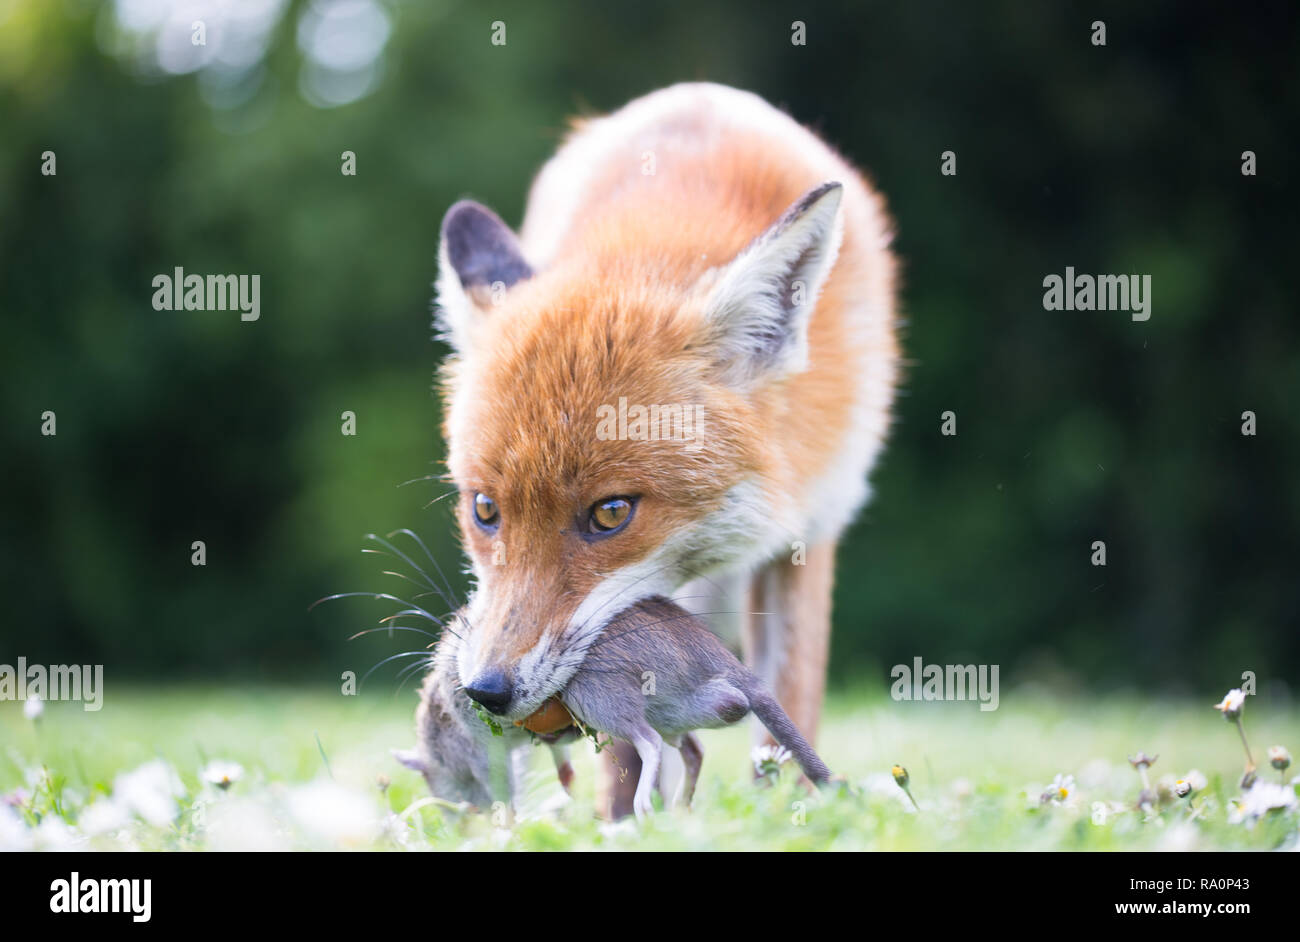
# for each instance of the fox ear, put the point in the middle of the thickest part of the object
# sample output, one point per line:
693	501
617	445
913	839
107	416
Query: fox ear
758	305
478	259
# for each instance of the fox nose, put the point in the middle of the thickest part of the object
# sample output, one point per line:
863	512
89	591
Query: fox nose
492	689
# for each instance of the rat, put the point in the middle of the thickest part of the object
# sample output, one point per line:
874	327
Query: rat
454	748
656	674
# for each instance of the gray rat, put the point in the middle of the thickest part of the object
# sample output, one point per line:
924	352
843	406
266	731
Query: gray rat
457	752
654	675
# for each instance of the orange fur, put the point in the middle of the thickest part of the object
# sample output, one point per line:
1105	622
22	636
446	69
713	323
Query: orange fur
616	311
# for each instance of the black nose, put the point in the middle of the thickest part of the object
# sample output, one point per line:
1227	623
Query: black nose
492	689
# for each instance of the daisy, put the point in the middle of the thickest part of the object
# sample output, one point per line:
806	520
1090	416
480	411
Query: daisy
1261	799
222	774
1231	704
902	778
333	815
150	792
14	834
1059	792
103	816
769	759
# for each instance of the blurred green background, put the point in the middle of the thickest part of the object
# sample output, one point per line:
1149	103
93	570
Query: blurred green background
1073	426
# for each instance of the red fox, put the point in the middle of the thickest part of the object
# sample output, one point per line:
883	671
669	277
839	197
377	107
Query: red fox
698	253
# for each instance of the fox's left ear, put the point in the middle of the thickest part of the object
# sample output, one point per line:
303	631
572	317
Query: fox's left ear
478	260
757	307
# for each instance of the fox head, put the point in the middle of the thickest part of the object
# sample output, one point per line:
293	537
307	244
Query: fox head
604	420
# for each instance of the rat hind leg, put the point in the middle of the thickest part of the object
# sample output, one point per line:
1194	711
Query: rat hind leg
649	746
719	702
692	757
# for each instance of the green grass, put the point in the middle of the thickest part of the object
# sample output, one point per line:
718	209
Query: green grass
977	776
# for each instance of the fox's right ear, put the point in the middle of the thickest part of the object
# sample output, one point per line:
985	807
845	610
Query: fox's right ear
759	305
478	260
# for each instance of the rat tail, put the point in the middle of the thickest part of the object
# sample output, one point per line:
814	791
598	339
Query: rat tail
784	731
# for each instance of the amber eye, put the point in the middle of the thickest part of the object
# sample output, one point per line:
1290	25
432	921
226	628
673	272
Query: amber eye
486	512
607	516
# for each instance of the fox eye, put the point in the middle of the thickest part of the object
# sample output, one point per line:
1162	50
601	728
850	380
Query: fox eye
485	512
610	515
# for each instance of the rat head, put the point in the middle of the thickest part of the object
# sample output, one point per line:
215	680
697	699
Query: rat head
603	419
450	750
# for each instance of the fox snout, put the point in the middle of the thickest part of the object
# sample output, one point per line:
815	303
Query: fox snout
493	689
506	658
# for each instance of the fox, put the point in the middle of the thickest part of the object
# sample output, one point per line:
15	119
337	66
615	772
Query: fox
697	248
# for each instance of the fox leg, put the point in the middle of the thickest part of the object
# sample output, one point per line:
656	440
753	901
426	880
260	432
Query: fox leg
622	772
787	645
563	767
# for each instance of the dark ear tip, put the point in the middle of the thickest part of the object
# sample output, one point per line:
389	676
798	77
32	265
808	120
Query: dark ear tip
481	248
466	212
817	192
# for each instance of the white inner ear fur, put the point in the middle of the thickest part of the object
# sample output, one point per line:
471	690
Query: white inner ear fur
758	306
455	315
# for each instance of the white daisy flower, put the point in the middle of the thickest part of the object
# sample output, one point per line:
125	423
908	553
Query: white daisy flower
53	834
1060	791
33	708
14	834
1262	798
150	792
243	824
332	814
103	816
221	773
769	759
1231	704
